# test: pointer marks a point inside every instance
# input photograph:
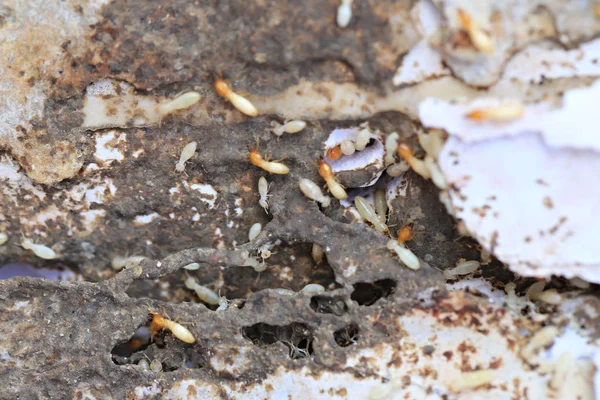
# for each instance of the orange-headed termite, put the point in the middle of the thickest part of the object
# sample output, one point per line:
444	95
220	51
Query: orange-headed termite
501	113
159	322
269	166
417	165
244	105
335	188
480	39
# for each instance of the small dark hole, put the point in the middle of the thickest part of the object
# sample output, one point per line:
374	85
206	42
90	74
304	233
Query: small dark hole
296	336
138	342
346	336
367	293
328	305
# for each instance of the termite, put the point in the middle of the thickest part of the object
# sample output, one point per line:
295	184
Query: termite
205	294
293	126
188	152
39	250
254	231
368	212
118	262
317	253
244	105
192	266
334	153
405	255
362	140
181	102
313	288
433	142
463	268
344	13
180	332
437	177
417	165
347	147
480	40
381	206
3	238
391	143
263	191
501	113
334	187
270	166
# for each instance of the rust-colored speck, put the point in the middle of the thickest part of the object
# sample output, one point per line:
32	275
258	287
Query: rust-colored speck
448	354
191	392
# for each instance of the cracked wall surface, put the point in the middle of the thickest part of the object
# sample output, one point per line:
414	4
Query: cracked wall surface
87	168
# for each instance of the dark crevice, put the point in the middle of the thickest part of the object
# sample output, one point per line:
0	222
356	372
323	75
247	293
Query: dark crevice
296	336
367	293
328	305
346	336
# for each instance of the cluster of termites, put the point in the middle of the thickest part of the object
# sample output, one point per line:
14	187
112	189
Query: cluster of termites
348	147
432	143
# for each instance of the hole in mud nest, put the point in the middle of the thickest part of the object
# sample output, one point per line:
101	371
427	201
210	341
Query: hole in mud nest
346	336
296	336
367	293
138	342
328	305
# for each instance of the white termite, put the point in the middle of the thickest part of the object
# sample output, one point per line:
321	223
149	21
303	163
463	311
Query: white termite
143	365
344	13
188	152
119	262
313	288
405	255
381	206
39	250
313	192
362	140
317	253
470	380
3	238
417	165
192	266
368	213
542	338
391	144
534	290
263	191
550	296
433	142
293	126
223	304
397	169
254	231
203	293
463	268
347	147
181	102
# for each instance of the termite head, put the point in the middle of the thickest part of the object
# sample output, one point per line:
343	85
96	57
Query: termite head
405	152
255	157
325	170
334	153
405	233
222	87
464	19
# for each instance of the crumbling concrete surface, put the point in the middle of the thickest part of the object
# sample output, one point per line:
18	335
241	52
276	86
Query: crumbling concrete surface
89	144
